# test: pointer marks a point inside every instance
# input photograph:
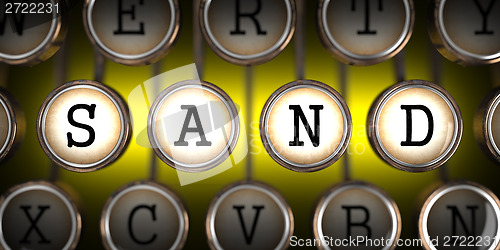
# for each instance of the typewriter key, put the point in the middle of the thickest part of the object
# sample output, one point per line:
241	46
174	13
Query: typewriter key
132	32
28	38
305	126
83	126
247	32
249	215
357	210
487	124
415	126
460	215
144	215
365	32
38	215
12	125
193	126
466	31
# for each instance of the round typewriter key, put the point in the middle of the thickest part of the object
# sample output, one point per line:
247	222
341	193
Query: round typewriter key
365	32
12	125
460	215
83	126
467	32
305	126
487	124
357	210
38	215
249	215
28	38
193	126
247	32
144	215
132	32
415	126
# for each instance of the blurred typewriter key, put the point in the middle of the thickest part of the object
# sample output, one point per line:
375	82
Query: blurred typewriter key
487	125
248	32
355	210
30	38
144	215
305	126
467	31
83	126
193	126
249	215
365	32
38	215
415	126
460	215
12	125
132	32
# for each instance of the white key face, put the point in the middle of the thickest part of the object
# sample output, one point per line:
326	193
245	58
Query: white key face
249	216
415	126
306	126
469	29
464	211
27	38
357	210
193	126
84	126
248	32
487	124
132	32
144	215
365	32
38	215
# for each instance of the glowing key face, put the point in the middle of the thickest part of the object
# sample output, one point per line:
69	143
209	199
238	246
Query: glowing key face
467	32
83	126
247	32
144	215
132	32
193	126
487	124
38	215
365	32
12	125
465	211
249	215
415	126
305	126
30	38
356	210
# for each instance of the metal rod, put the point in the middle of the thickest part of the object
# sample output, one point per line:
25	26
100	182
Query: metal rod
198	42
156	70
99	64
4	75
495	75
344	92
399	66
249	108
300	41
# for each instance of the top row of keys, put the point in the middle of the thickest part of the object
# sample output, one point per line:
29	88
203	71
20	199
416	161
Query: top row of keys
356	32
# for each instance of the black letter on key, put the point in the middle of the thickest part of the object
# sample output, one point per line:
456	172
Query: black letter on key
367	30
91	110
455	214
485	15
192	112
121	13
298	113
152	209
248	237
33	226
252	15
363	223
17	23
409	126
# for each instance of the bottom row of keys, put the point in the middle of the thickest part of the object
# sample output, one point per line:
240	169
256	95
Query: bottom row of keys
250	215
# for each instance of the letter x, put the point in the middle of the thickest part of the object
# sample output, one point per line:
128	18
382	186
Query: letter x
33	226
